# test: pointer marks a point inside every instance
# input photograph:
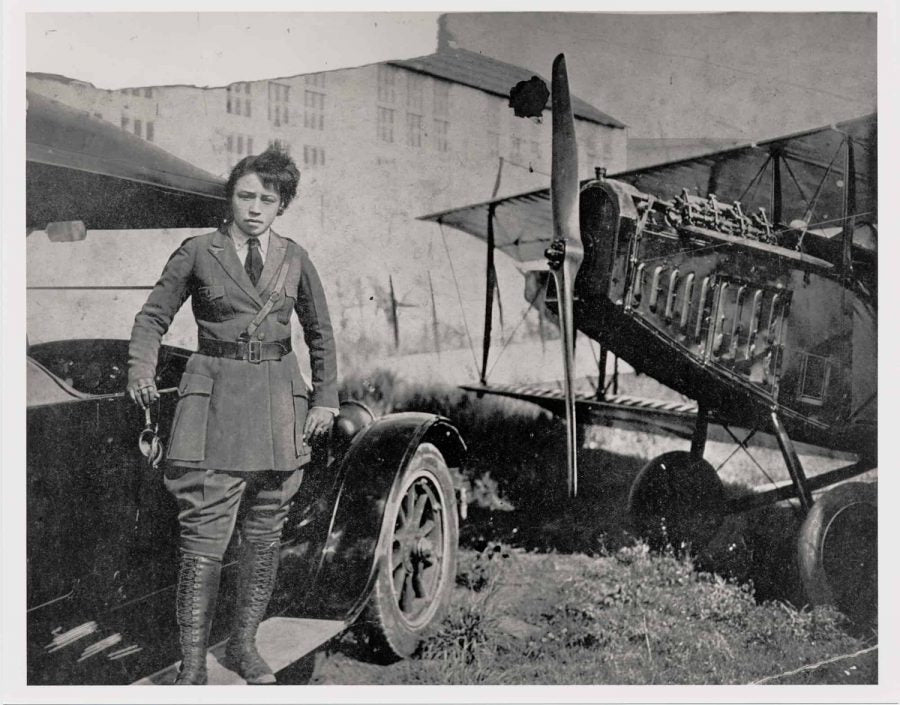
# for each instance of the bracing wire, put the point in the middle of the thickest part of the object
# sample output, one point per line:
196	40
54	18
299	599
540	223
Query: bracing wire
510	337
462	310
787	163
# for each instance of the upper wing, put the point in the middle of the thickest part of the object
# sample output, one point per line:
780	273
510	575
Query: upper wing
79	168
811	176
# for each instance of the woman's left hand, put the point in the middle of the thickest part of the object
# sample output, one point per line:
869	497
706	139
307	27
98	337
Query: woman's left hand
318	422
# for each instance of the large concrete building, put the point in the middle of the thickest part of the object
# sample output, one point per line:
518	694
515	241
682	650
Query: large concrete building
377	145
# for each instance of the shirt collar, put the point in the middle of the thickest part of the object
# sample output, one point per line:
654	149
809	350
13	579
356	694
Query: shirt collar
240	238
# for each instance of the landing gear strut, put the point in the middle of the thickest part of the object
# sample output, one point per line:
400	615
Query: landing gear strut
677	500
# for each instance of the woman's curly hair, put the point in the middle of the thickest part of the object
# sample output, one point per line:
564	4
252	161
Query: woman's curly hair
275	168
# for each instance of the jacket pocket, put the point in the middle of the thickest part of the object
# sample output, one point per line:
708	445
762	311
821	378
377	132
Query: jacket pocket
191	418
286	308
214	304
301	406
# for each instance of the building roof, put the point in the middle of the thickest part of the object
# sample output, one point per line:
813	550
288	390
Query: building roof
490	75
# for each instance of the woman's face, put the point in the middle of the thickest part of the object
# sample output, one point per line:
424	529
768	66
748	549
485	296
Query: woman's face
253	205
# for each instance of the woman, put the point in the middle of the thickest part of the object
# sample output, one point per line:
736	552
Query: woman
245	416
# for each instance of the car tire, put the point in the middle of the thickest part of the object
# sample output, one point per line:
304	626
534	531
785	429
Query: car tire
837	550
417	559
676	502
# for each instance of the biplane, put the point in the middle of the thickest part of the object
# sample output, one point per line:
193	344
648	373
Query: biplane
743	279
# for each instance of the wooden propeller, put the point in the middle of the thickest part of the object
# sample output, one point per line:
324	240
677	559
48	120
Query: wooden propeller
566	251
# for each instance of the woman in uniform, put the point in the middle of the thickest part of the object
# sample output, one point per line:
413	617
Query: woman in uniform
245	416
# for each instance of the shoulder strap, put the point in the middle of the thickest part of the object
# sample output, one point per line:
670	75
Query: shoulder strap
270	302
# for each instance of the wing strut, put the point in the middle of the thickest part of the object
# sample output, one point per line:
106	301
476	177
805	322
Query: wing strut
849	211
490	285
777	207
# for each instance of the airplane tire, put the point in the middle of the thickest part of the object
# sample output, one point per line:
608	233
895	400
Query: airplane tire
675	502
417	563
837	551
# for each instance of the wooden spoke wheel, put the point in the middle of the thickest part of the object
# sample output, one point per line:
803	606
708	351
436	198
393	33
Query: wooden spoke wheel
837	550
417	559
676	502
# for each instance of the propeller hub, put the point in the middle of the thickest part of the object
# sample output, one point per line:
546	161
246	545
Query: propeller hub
556	254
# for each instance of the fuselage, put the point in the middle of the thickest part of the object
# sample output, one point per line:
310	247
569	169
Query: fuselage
712	304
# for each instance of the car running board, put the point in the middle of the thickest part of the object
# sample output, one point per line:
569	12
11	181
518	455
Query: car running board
281	641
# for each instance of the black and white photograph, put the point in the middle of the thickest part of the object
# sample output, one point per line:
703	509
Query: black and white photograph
445	348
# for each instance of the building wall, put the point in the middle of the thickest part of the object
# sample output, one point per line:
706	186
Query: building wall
365	181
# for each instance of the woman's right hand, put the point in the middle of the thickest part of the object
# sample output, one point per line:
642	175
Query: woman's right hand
143	392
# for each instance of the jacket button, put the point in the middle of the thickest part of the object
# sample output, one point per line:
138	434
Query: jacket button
261	336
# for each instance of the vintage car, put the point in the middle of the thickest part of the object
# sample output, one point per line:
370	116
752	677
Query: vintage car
371	539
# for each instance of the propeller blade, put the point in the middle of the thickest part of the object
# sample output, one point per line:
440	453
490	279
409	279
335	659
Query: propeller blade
566	251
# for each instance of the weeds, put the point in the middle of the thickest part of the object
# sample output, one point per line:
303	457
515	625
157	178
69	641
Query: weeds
481	572
613	612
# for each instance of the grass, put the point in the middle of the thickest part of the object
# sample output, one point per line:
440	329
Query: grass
558	591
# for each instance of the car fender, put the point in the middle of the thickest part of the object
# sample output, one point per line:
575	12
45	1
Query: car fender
370	469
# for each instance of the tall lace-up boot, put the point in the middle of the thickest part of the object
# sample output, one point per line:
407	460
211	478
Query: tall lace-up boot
195	603
256	580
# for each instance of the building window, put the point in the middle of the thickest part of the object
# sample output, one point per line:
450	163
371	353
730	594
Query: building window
150	131
313	156
386	83
136	91
137	128
441	98
385	124
415	92
315	79
441	128
233	103
313	110
414	129
148	92
236	143
279	103
125	122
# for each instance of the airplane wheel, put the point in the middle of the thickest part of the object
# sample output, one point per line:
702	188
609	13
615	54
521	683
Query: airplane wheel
837	551
675	501
417	561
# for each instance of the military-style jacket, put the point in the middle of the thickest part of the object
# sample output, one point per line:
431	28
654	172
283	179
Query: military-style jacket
235	414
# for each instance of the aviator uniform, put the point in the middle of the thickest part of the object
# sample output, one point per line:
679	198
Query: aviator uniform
237	418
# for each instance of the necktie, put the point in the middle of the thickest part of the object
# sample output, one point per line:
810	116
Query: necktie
253	265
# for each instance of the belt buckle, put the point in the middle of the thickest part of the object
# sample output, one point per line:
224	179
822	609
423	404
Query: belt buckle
254	351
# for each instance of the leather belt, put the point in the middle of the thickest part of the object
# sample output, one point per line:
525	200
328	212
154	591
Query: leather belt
250	350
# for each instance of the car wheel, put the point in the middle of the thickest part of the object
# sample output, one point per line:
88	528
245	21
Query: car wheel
676	501
837	550
417	560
